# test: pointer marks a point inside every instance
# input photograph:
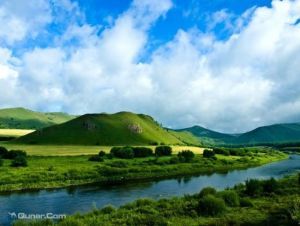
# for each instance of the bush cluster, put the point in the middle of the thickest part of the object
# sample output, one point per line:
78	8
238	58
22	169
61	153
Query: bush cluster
208	153
235	151
163	151
18	157
221	151
122	152
141	152
131	152
186	156
256	187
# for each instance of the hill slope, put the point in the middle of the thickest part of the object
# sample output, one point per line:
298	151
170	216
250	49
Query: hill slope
278	133
272	134
21	118
123	128
207	135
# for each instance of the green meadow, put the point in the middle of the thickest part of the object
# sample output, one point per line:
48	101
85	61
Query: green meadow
61	171
71	150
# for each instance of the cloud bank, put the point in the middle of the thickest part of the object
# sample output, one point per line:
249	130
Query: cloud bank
235	84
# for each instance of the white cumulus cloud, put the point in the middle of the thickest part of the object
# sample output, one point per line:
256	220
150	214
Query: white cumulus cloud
233	85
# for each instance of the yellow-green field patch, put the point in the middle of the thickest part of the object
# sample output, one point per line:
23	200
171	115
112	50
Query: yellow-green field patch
14	132
64	150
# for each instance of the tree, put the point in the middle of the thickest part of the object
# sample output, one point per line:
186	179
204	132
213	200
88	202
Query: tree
15	153
221	151
253	187
231	198
141	152
122	152
102	154
96	158
270	185
186	156
207	191
211	205
163	150
19	161
208	153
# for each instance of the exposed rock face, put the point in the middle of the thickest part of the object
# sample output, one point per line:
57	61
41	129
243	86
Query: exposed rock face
89	125
135	128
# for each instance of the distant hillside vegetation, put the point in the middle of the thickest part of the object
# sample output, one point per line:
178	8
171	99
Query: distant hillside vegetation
21	118
208	136
123	128
278	133
273	134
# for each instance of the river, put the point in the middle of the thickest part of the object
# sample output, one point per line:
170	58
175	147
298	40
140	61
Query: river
85	198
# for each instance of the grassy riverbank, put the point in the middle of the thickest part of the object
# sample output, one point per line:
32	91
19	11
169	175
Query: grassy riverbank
72	150
257	203
62	171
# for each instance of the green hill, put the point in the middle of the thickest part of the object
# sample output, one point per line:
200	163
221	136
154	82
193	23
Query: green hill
123	128
208	136
273	134
21	118
278	133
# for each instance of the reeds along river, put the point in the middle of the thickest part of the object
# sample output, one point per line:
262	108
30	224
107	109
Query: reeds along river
85	198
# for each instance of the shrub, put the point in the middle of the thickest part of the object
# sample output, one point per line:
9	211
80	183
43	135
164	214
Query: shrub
108	209
294	211
174	160
237	152
207	191
186	156
231	198
122	152
101	153
253	187
270	185
246	202
96	158
111	171
211	205
153	143
109	156
15	153
3	152
119	164
140	152
51	168
19	161
208	154
163	150
221	151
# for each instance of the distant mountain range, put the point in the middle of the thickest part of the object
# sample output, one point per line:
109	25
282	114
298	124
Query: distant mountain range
272	134
126	128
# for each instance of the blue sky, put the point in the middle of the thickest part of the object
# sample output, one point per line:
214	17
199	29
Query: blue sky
183	15
227	65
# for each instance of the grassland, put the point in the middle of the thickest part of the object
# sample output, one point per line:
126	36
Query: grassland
14	132
123	128
21	118
60	171
71	150
276	205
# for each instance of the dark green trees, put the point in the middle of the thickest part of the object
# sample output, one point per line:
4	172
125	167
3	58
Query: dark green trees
163	151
